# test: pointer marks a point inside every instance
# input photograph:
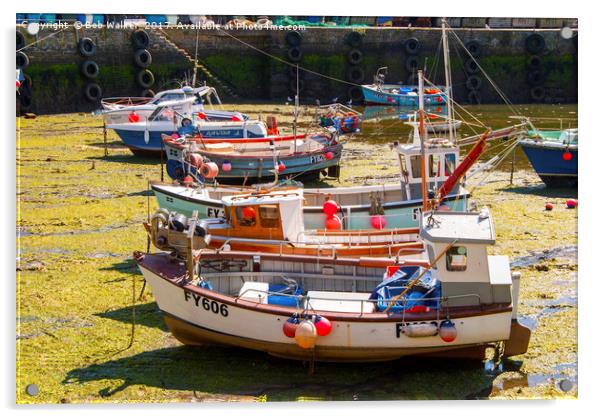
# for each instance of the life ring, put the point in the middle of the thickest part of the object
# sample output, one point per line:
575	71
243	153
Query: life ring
93	92
354	56
22	60
535	43
355	94
294	54
354	39
533	62
474	47
471	66
412	63
537	93
143	58
90	69
355	74
293	38
20	40
87	47
209	170
147	93
145	78
535	78
474	97
140	39
412	46
473	82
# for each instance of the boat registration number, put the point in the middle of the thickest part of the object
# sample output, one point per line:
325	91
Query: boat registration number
206	304
317	158
215	213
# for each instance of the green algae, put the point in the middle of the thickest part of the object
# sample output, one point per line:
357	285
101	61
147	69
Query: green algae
79	216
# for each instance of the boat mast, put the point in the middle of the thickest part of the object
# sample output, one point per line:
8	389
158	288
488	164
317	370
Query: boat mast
450	113
421	131
196	50
296	110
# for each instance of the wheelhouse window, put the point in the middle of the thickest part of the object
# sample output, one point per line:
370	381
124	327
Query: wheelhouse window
246	216
434	165
450	164
456	258
269	216
415	162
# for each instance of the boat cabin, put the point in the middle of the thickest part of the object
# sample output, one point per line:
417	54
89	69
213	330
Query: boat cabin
467	274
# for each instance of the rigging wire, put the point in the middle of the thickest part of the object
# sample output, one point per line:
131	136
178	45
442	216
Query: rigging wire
42	39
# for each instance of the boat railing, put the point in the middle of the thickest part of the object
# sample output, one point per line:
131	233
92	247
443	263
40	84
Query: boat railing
117	102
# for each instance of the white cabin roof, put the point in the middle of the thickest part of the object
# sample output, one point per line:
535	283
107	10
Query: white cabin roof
465	227
263	199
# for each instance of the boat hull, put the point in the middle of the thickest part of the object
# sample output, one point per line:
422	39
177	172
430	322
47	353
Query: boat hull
374	96
550	164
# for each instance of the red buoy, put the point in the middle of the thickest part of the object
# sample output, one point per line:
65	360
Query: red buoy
18	84
235	118
281	167
549	206
202	115
323	325
226	166
447	331
330	208
329	155
571	203
290	326
133	117
188	179
333	223
567	156
248	212
175	135
378	221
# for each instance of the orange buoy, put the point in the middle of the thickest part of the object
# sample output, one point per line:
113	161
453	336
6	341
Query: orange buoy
571	203
306	334
248	212
333	223
549	206
330	208
209	170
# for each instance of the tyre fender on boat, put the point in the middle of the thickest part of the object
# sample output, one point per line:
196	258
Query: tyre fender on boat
420	330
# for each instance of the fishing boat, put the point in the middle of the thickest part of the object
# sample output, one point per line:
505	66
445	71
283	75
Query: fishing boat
253	159
340	118
271	221
455	301
141	123
553	155
399	94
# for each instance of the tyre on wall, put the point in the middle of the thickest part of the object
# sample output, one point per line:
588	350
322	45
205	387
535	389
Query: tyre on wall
412	63
474	47
412	46
533	62
474	82
147	93
22	60
292	71
140	39
471	66
294	54
86	47
537	93
355	94
145	78
535	78
292	85
354	56
535	43
355	74
474	97
90	69
20	40
93	92
143	58
293	38
354	39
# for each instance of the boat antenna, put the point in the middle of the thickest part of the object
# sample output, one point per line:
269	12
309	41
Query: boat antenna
450	114
196	50
421	131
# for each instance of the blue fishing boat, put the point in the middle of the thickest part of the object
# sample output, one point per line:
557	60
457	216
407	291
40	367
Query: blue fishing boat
553	155
400	94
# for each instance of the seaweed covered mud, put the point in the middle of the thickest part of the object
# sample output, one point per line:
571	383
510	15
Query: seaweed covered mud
89	331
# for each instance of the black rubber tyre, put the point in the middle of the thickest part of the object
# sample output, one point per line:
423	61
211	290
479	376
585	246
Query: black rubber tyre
355	39
412	46
293	38
292	85
471	66
87	47
145	78
355	56
535	43
533	62
535	78
474	47
22	60
140	39
537	94
412	63
20	40
474	82
143	58
147	93
355	74
355	94
93	92
294	54
90	69
474	97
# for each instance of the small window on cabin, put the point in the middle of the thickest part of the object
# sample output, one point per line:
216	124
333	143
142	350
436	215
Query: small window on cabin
431	254
433	165
415	162
456	259
269	216
245	216
450	164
